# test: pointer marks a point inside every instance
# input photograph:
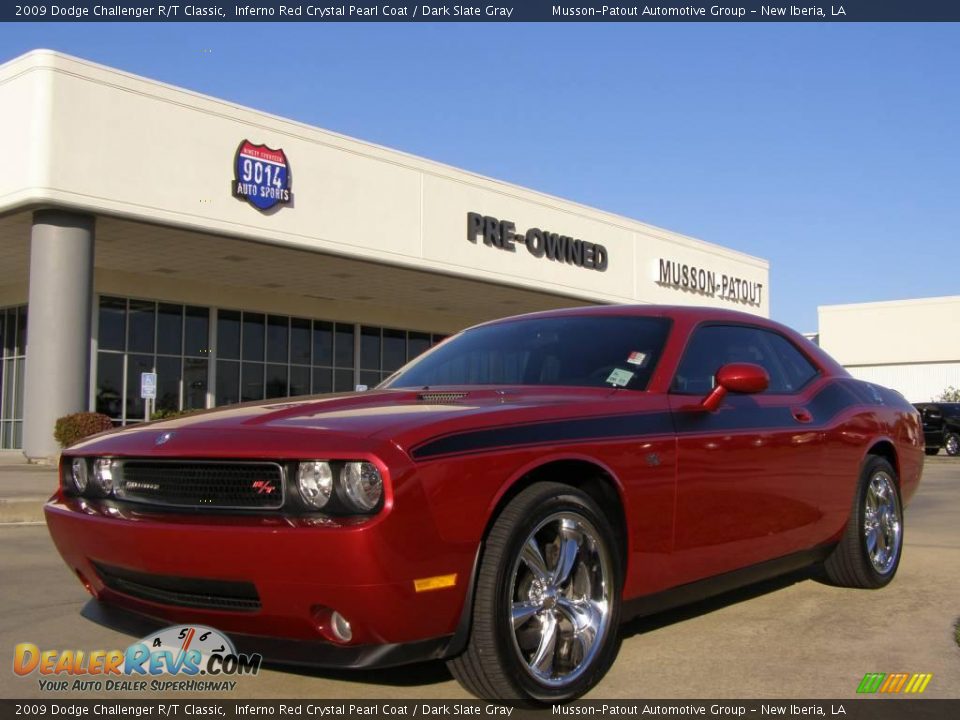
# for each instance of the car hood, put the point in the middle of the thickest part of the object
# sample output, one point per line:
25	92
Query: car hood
355	421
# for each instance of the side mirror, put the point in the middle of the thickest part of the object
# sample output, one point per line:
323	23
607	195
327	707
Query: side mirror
738	378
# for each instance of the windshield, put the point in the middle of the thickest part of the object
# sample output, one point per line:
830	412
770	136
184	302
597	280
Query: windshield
584	351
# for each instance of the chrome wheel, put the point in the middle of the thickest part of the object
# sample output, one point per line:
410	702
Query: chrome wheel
952	444
560	599
882	524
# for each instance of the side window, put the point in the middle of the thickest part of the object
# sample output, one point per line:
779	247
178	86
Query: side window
797	370
714	346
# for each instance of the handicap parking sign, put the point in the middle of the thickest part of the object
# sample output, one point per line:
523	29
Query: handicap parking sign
148	386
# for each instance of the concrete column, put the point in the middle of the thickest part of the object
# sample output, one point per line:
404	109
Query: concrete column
58	326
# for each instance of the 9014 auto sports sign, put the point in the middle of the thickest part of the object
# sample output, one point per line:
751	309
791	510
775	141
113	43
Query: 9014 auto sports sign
261	176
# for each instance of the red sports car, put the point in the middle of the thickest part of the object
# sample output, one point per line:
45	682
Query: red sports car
505	500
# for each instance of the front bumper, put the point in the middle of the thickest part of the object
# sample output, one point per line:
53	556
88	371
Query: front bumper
301	568
285	651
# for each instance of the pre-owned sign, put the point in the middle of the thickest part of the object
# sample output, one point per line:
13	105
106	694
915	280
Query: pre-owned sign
503	234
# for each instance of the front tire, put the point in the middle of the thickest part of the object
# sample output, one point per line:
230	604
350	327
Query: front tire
931	450
869	552
546	612
951	443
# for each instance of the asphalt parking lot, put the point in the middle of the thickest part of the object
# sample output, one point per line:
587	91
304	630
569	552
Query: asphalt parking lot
790	638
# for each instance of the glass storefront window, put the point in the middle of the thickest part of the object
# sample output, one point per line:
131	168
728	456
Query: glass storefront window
109	395
383	351
277	383
299	341
369	348
343	346
137	336
13	343
141	326
196	332
258	356
323	343
253	337
194	384
394	349
112	324
170	329
299	380
278	339
228	382
228	334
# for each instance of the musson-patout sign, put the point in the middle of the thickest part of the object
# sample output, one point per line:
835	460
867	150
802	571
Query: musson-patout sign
704	281
261	176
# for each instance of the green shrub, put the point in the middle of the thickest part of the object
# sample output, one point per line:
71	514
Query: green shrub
74	428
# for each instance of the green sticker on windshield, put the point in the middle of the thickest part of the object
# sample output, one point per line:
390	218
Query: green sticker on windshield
619	378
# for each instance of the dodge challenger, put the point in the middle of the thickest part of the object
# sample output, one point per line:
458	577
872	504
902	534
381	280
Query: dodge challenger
505	501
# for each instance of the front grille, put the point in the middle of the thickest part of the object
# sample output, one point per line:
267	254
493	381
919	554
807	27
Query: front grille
201	484
184	592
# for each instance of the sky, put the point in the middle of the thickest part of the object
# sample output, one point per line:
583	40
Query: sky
831	150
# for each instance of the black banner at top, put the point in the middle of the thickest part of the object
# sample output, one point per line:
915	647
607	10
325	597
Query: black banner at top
498	11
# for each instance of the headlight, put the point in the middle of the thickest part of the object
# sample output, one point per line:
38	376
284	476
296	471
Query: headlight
362	484
78	471
103	475
315	481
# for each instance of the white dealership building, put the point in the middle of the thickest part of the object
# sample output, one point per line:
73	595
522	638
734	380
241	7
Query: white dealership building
239	256
912	346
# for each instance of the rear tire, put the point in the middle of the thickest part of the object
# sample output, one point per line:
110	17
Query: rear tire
869	552
931	451
546	612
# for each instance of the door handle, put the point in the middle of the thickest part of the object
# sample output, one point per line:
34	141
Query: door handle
801	415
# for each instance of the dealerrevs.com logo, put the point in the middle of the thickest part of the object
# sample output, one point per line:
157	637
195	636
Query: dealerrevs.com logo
198	657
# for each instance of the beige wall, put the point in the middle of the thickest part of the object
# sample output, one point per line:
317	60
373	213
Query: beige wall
884	333
920	382
25	126
107	142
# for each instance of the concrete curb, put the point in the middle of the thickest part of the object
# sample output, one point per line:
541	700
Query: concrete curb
21	510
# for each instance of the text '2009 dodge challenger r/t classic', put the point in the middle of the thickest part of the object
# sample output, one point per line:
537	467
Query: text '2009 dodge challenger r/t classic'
505	500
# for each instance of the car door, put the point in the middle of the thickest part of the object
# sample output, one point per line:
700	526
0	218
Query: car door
748	474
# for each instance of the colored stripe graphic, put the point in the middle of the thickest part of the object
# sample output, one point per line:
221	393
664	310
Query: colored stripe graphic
918	683
894	682
871	682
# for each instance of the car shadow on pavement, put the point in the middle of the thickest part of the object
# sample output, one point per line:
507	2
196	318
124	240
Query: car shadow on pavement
435	672
422	673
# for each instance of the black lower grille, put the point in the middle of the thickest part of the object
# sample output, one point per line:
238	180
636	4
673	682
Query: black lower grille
202	484
184	592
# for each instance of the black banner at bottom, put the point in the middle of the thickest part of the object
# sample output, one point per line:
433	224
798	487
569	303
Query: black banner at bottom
874	708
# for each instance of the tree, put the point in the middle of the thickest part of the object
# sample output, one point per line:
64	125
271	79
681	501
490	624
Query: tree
951	394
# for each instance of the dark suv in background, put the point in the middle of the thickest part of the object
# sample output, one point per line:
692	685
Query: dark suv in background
941	426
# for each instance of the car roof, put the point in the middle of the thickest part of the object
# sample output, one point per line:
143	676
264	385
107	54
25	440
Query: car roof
696	313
